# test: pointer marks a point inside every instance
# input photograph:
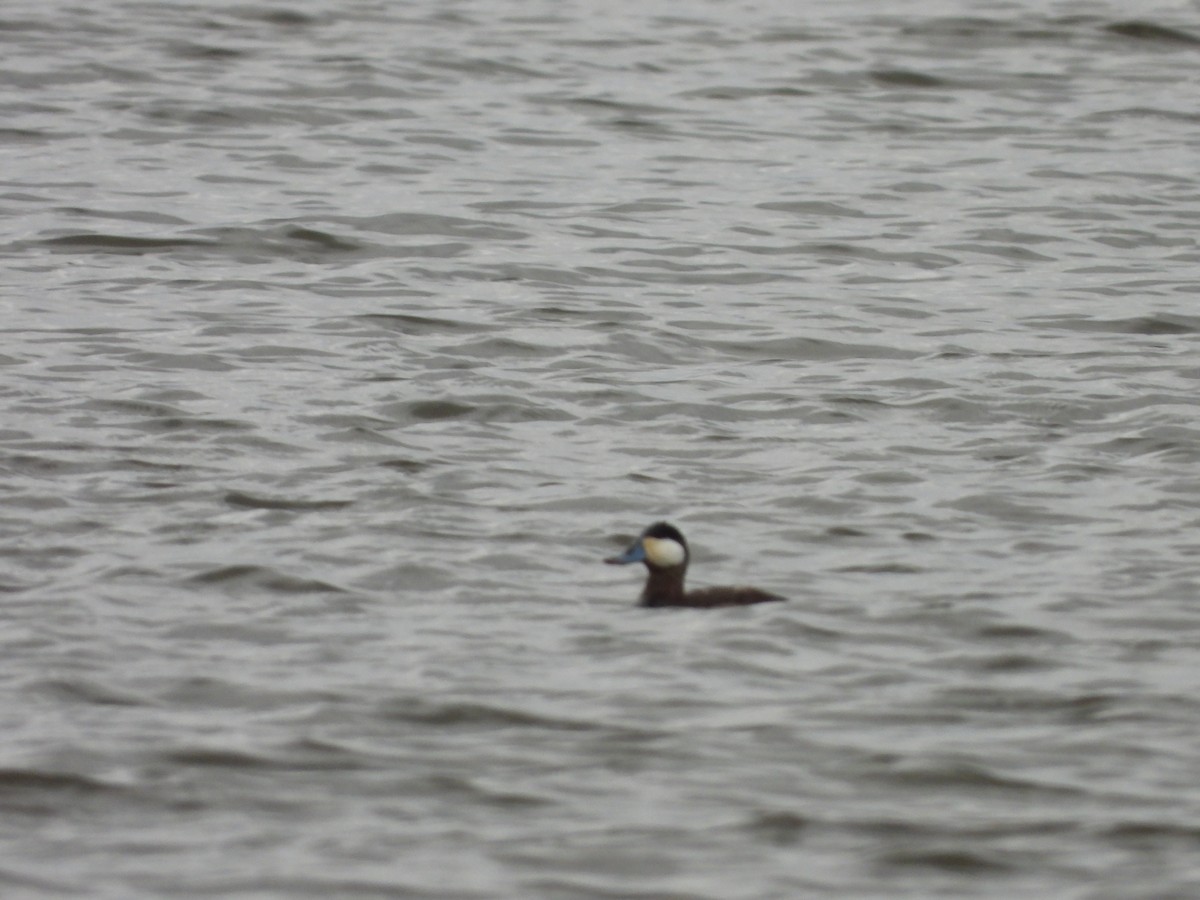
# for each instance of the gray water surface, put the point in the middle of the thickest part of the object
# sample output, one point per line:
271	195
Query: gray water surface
341	342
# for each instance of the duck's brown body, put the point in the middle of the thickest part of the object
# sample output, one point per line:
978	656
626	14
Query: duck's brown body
665	553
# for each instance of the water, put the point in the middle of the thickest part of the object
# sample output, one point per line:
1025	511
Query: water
342	341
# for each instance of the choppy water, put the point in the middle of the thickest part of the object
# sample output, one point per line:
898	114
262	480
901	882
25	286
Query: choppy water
342	341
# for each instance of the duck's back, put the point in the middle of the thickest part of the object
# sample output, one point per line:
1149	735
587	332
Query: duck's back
708	598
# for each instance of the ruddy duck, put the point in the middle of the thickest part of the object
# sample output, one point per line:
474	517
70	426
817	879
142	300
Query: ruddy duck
664	551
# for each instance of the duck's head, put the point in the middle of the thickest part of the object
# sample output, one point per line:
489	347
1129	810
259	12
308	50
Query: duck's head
660	546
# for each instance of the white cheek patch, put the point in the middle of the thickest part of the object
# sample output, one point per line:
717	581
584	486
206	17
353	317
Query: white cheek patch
664	552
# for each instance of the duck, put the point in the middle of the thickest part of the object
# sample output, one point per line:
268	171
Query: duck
664	550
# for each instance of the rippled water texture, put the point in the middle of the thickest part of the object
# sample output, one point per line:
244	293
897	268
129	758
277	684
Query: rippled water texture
342	341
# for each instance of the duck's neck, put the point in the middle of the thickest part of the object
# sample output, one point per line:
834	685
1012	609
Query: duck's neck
664	587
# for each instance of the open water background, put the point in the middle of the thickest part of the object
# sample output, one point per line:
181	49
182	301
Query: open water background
340	342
